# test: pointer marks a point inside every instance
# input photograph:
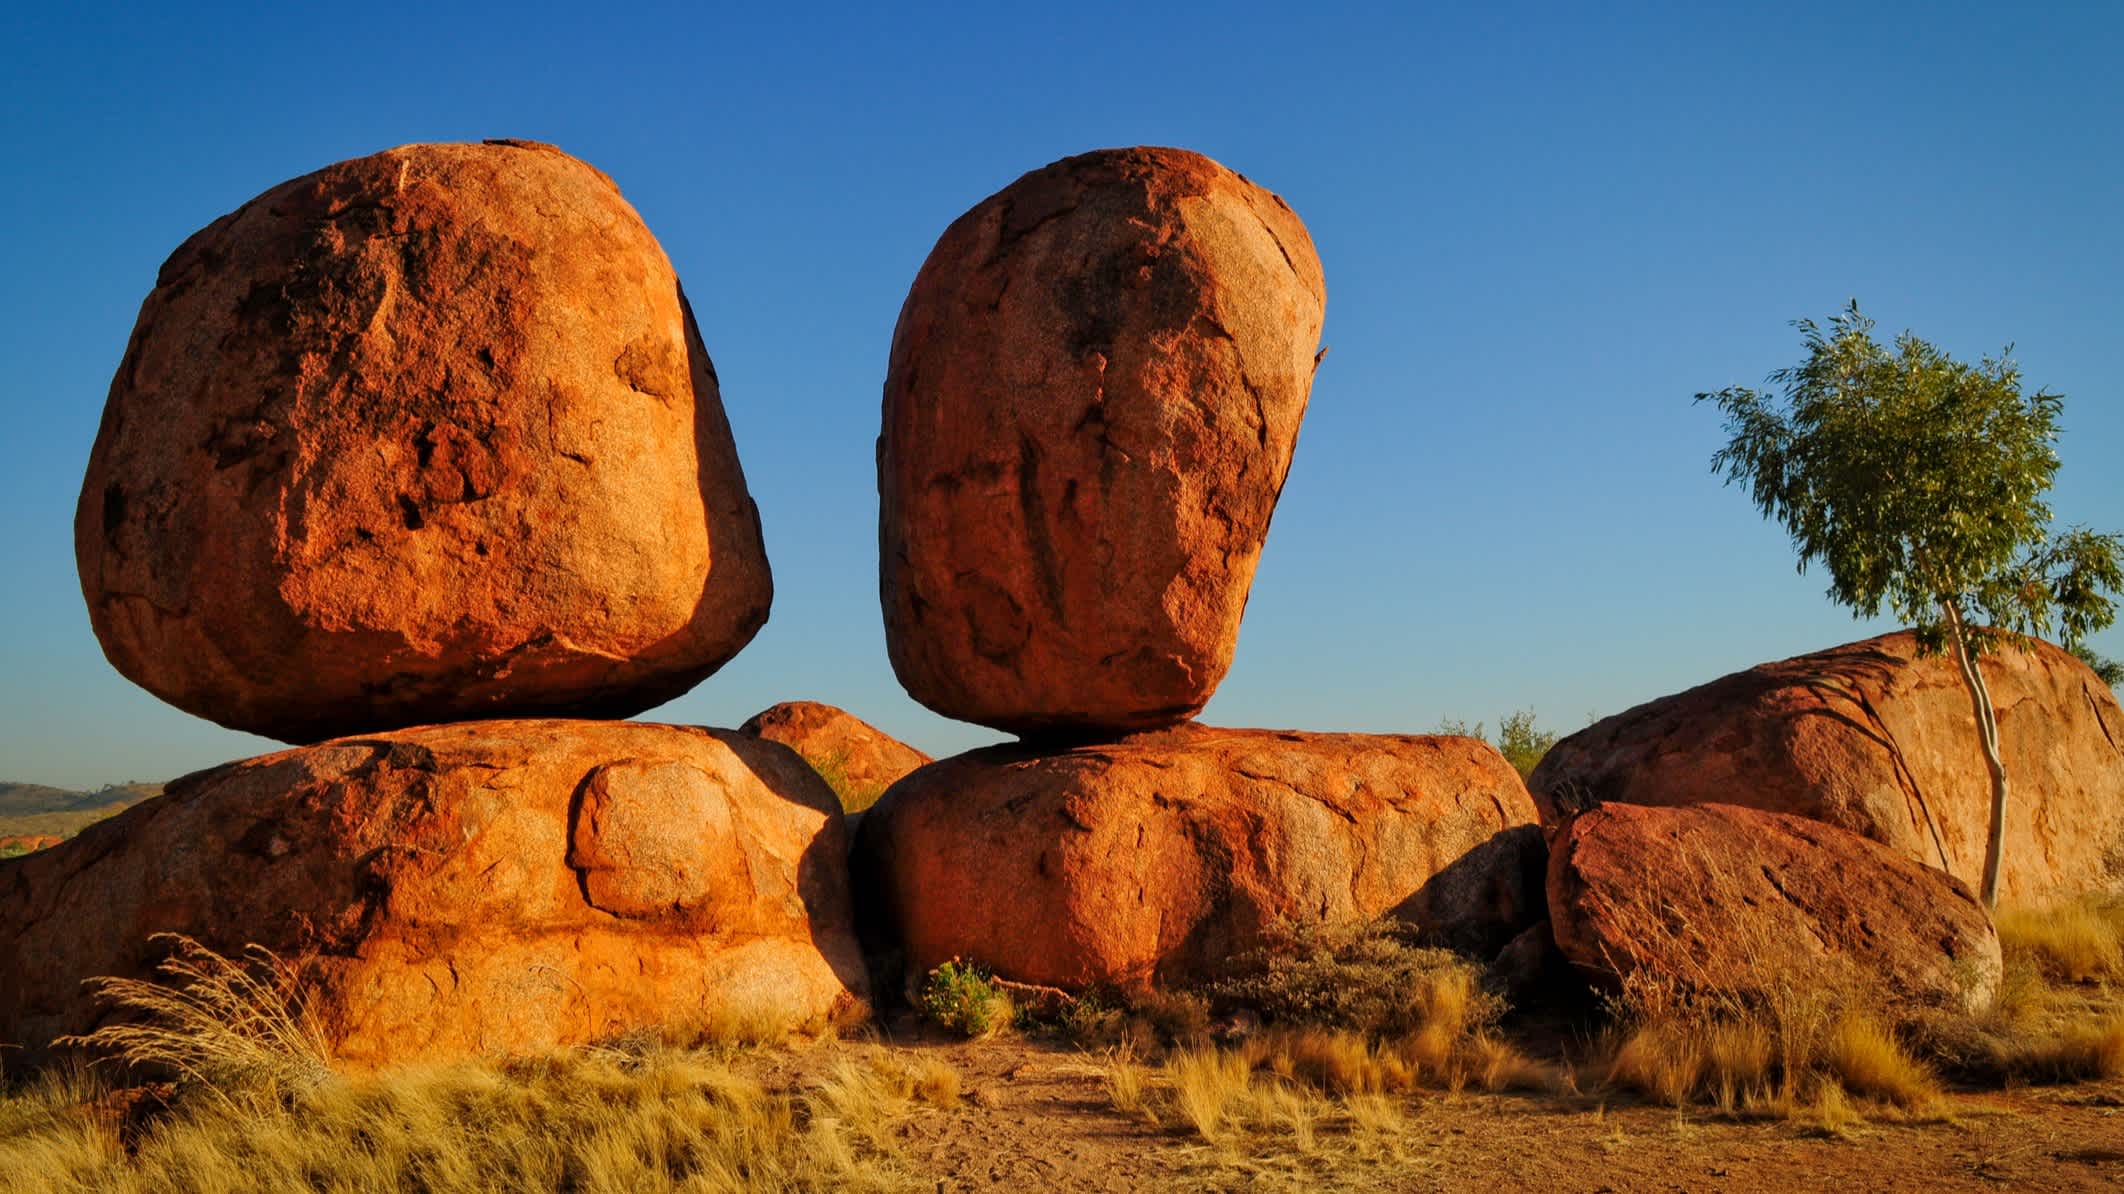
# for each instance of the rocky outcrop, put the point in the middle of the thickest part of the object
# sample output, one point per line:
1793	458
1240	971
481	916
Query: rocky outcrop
1095	389
1741	903
423	436
494	887
858	759
1157	857
1872	738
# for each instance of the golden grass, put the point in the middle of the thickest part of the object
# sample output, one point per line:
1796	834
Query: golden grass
2075	942
1827	1050
584	1120
1206	1086
213	1021
1867	1060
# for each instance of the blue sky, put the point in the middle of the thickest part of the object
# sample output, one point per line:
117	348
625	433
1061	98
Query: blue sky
1544	228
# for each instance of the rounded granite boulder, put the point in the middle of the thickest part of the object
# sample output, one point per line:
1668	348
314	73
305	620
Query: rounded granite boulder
422	436
1095	389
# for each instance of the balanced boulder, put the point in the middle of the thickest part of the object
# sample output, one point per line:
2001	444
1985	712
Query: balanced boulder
1714	900
1876	739
421	436
1157	857
489	887
1095	389
858	759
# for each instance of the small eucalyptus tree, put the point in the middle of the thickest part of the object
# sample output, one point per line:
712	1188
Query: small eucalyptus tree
1917	481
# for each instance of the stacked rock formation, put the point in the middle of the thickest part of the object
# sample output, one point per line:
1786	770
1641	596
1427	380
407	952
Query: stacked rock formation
1874	738
1095	390
426	436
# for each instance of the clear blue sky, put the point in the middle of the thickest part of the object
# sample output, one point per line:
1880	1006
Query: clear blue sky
1544	228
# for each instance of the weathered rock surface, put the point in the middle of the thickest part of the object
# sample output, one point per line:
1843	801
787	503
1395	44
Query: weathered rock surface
1736	901
1872	738
860	759
459	890
423	436
1156	858
1096	385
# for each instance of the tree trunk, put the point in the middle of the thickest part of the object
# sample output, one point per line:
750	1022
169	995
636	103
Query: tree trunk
1988	736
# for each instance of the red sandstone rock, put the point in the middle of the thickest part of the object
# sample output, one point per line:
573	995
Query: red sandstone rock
1095	389
502	886
857	758
1740	902
423	436
1158	857
1872	738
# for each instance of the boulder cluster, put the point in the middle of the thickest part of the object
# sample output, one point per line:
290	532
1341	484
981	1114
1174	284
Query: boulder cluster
1095	390
424	437
418	462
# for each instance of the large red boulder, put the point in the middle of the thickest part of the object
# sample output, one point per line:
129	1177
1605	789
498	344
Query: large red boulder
1875	739
487	887
1735	902
1095	388
422	436
1158	857
858	759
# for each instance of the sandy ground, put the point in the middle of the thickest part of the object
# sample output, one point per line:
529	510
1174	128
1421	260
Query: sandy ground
1036	1115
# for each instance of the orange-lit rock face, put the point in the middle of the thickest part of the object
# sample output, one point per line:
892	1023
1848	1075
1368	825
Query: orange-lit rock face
453	891
1724	900
1095	389
1158	857
422	436
1872	738
869	759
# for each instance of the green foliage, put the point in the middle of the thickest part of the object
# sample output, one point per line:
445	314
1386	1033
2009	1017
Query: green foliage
833	769
1519	740
1917	482
963	998
1372	979
2107	670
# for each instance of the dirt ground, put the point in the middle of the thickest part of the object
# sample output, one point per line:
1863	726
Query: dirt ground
1037	1115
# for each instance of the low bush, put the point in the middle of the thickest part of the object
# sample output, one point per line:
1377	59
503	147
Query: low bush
1373	979
962	997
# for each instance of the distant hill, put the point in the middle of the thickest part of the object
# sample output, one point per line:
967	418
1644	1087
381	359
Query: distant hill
35	808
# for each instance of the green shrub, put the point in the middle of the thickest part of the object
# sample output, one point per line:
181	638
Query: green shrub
833	769
1372	979
961	996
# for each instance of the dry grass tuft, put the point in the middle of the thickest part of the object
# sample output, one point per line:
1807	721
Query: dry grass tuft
1125	1080
1206	1084
219	1023
2076	942
1870	1062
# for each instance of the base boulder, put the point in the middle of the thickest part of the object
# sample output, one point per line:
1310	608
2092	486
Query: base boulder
451	891
1155	858
1737	902
1874	738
